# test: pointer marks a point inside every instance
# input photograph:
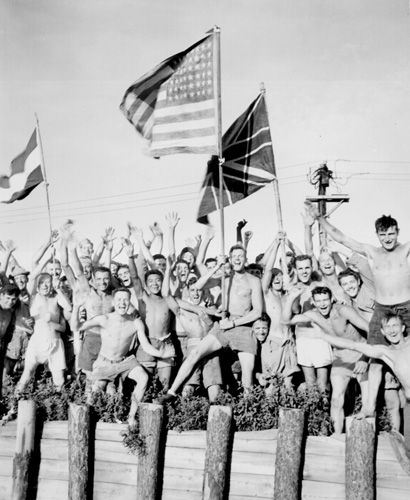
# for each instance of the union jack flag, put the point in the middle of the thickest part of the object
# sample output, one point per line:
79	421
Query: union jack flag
248	161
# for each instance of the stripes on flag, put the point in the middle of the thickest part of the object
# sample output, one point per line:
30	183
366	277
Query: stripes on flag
173	106
248	161
25	173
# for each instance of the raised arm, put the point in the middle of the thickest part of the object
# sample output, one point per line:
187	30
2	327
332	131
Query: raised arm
172	219
138	234
158	240
43	249
267	275
335	233
241	224
136	281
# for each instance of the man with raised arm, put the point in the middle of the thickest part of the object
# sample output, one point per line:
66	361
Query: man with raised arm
244	304
391	274
396	354
118	331
346	323
156	312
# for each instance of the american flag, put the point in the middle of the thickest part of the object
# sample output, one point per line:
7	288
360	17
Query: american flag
173	106
248	161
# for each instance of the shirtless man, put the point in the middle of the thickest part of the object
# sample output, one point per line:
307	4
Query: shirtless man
156	313
99	301
45	344
244	303
315	358
396	354
279	349
345	322
391	274
8	298
118	331
196	321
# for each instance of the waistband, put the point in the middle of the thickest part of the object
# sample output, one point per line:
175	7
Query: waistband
400	306
113	362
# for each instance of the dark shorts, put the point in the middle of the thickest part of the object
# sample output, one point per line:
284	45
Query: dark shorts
238	339
380	310
90	349
17	346
150	362
208	369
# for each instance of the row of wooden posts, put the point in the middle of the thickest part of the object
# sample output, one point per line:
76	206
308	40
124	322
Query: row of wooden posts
359	461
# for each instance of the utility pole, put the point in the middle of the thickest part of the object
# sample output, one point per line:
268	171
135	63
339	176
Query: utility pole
321	178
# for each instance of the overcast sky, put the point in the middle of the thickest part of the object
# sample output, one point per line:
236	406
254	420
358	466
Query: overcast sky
337	80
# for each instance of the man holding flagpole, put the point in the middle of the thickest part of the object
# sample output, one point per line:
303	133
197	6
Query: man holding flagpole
243	297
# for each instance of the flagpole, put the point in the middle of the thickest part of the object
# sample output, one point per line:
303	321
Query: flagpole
43	168
276	196
217	79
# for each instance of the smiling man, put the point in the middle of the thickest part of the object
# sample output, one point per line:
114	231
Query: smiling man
396	354
391	274
244	303
344	322
119	331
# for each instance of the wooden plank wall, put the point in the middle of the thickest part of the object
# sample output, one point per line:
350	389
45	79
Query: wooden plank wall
251	475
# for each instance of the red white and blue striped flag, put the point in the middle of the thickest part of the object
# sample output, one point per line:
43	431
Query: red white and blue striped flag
248	161
25	173
173	106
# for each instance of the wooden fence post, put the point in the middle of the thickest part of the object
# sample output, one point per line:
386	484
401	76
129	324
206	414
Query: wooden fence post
217	452
23	458
78	451
360	459
288	465
150	420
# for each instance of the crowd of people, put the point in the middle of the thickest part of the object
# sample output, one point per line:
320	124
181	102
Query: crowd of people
201	323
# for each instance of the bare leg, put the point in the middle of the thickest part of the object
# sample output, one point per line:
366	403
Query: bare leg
164	375
213	392
310	375
392	399
322	375
375	378
140	376
208	345
339	386
247	361
58	378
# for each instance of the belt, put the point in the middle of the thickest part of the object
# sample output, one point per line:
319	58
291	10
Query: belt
113	362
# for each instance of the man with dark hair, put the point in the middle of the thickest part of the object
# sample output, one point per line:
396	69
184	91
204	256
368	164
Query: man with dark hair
396	354
160	262
243	296
118	332
344	322
8	298
391	274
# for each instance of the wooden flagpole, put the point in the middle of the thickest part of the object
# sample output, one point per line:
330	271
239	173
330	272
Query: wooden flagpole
279	217
217	81
43	168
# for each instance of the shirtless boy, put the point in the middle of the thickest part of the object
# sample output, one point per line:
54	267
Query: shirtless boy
244	304
391	274
345	322
118	330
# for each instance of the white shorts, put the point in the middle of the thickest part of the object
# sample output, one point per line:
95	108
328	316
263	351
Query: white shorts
313	352
40	350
